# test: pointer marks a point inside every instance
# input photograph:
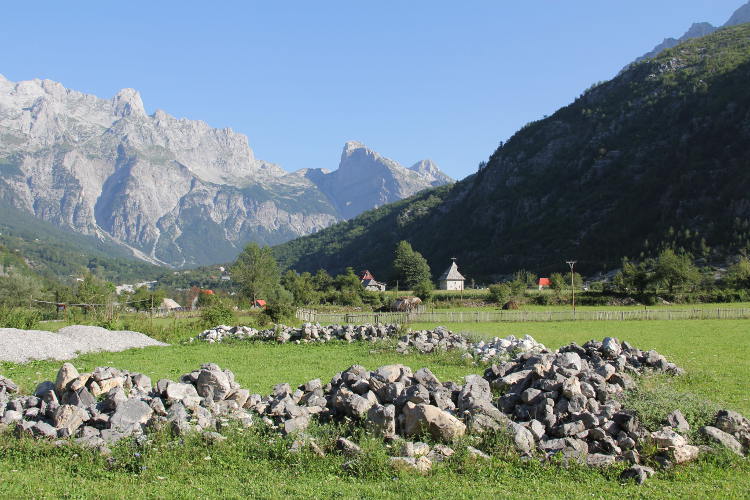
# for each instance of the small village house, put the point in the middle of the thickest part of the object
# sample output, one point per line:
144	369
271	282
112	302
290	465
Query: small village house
368	281
451	279
544	283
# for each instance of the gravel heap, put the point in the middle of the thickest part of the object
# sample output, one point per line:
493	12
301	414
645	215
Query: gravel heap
308	332
423	341
20	346
107	405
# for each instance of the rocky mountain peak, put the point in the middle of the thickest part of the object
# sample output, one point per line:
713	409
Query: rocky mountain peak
170	189
698	30
128	102
430	169
740	16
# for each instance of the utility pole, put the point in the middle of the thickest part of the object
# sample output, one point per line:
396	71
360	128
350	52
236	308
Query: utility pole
572	263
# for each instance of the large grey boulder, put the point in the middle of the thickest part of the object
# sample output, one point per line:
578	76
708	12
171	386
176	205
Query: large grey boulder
213	384
441	425
723	438
131	416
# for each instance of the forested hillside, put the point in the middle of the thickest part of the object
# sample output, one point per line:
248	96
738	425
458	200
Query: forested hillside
54	253
656	157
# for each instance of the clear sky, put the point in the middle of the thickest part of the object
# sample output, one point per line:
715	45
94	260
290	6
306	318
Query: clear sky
415	79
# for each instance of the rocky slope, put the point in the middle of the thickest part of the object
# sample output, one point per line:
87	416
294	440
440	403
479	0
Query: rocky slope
366	180
172	190
657	155
697	30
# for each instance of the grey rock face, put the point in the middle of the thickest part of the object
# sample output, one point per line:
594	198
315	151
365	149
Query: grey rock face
366	180
157	184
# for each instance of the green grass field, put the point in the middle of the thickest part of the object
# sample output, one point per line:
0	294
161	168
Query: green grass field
716	355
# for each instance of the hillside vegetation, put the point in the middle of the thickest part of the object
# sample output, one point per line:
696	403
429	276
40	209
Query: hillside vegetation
655	158
35	247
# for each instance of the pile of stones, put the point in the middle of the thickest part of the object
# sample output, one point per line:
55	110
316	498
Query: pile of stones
565	404
570	401
423	341
308	332
102	407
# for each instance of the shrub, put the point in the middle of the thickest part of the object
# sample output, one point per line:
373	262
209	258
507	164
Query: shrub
424	290
218	313
19	317
280	306
500	293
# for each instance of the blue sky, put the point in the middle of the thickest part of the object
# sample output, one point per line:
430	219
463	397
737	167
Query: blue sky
411	79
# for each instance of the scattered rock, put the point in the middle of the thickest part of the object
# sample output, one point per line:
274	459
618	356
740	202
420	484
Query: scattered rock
723	438
638	473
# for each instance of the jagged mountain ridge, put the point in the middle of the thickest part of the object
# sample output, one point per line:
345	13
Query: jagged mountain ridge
366	180
697	30
174	191
657	155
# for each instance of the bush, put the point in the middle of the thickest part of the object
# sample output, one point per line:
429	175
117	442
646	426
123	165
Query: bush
280	307
218	313
19	317
424	290
500	293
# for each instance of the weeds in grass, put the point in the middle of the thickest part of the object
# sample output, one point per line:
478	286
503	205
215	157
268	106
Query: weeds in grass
655	398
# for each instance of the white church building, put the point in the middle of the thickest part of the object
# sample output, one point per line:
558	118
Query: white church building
451	279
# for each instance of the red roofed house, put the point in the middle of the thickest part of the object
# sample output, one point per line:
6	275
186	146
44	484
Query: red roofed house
544	282
368	281
260	303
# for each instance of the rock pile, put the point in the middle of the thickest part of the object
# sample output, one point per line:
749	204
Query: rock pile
569	399
553	403
423	341
308	332
441	338
106	405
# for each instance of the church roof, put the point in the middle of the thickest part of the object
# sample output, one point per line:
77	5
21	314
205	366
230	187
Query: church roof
452	273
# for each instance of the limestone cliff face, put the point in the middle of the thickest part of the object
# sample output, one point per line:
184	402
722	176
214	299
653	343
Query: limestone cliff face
366	180
173	190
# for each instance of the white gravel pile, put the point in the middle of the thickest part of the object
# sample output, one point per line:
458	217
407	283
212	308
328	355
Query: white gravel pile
20	346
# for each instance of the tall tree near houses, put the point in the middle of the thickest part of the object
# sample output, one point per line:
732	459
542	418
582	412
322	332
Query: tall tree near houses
410	267
256	271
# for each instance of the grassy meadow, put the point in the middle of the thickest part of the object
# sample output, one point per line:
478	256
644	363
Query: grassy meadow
257	463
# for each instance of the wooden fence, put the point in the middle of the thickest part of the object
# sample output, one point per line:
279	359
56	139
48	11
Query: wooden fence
438	316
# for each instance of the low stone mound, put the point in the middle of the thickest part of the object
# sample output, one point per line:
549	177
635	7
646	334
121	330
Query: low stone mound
426	341
21	346
308	332
102	407
423	341
564	403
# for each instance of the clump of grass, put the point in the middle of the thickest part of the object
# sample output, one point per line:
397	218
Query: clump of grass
655	398
19	317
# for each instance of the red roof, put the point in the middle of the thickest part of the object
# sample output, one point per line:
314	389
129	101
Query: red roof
207	292
544	282
366	275
260	303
